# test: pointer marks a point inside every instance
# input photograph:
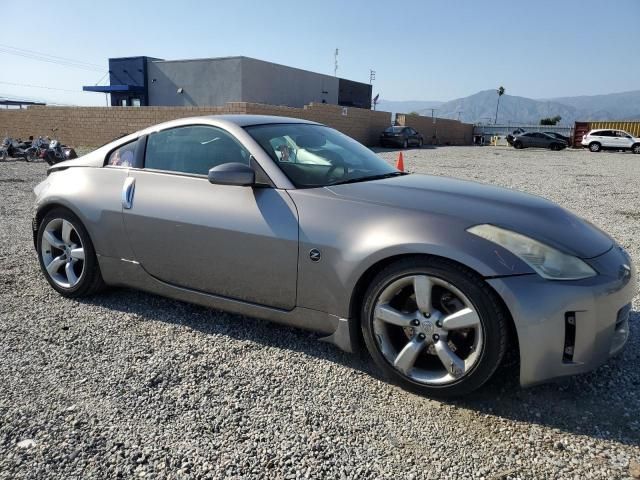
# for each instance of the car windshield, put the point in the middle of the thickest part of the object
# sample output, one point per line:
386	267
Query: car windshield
394	130
318	156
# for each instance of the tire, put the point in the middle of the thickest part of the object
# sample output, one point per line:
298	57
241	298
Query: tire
3	155
405	144
595	147
31	156
87	271
636	148
554	146
420	143
517	144
428	374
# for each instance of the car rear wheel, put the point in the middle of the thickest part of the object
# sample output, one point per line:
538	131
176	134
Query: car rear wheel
433	326
554	146
405	144
636	148
595	146
66	254
420	142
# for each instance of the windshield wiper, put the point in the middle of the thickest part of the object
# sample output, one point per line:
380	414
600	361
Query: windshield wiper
366	179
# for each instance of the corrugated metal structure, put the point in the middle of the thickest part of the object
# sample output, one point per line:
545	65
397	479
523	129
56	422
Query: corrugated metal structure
581	128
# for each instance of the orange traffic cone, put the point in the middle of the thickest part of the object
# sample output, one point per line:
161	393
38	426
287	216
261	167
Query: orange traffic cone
400	163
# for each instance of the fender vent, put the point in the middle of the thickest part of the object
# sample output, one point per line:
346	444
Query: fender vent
569	336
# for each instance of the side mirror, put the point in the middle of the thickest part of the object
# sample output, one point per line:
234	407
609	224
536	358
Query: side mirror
233	173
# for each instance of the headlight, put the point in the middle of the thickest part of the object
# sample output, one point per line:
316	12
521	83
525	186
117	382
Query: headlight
547	262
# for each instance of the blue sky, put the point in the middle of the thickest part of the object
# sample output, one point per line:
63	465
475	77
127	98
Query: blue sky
426	50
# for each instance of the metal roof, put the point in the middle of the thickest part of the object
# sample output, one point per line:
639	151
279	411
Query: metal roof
6	101
113	88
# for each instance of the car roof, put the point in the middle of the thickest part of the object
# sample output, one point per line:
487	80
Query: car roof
223	121
248	120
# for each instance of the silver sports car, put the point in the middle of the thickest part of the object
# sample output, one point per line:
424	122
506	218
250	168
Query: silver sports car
294	222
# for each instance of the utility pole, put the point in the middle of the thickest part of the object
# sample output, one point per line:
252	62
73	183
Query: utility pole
434	140
459	115
335	63
372	76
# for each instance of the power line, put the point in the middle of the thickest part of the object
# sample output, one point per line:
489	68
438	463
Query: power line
45	57
49	55
42	86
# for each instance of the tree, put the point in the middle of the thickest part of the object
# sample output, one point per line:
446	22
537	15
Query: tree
414	113
500	92
550	120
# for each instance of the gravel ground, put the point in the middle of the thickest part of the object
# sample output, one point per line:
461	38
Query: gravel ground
129	384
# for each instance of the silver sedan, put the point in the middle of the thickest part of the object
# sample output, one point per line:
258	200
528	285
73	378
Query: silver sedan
294	222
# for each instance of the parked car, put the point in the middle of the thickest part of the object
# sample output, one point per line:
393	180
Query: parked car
540	140
439	277
404	137
559	136
607	139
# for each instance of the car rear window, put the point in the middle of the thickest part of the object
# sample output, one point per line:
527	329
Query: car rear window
394	130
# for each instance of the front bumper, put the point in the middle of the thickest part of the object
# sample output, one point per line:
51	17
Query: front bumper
566	328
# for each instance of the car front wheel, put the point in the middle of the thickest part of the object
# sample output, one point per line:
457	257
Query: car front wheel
636	148
433	326
66	254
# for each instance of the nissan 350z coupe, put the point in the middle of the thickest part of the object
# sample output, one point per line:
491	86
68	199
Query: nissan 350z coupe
294	222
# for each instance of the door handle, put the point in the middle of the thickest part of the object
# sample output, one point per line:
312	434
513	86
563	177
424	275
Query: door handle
127	192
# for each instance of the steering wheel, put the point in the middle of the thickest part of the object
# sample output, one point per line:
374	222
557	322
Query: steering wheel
336	162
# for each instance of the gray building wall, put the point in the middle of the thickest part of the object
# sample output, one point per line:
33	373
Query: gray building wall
205	82
216	81
273	84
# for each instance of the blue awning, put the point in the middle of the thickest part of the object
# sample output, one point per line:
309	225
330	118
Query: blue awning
114	88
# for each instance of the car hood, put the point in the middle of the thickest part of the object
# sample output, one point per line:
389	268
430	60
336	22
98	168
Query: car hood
474	203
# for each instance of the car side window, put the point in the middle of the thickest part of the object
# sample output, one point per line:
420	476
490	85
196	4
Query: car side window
193	149
604	133
123	156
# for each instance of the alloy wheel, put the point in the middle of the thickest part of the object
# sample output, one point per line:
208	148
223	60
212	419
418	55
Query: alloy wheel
427	330
62	253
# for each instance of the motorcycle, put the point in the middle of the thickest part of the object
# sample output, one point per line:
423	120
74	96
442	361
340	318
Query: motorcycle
56	153
13	148
37	149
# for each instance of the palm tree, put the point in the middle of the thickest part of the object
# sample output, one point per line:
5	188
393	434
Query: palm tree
500	93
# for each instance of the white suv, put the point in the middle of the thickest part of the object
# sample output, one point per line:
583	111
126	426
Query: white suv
597	140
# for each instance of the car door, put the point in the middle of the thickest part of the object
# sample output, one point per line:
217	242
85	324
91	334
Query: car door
406	135
528	140
414	136
606	138
623	139
232	241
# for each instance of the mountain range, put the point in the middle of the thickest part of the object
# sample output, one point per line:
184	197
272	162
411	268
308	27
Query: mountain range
481	107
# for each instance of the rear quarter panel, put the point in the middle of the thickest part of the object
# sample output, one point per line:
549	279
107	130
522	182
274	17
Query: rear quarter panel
94	195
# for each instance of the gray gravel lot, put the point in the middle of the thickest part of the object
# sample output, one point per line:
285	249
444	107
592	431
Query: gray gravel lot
129	384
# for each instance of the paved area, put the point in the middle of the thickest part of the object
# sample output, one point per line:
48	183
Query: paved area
128	384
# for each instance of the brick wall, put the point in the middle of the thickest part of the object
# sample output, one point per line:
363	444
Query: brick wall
443	132
93	126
